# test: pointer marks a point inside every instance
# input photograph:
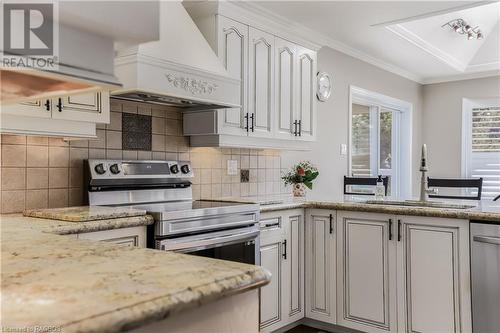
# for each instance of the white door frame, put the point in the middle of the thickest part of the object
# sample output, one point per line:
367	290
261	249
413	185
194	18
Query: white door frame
405	133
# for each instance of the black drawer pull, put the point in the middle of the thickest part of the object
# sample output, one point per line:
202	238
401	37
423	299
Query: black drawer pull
331	223
284	249
270	225
399	230
390	229
47	105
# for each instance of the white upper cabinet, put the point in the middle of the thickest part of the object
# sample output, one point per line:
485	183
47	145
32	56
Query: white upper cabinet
285	88
306	105
67	116
261	81
232	49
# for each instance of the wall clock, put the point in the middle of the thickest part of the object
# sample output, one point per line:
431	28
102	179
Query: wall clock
324	89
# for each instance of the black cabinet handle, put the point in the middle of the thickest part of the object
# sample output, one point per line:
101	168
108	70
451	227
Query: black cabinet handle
390	229
47	105
269	225
284	249
295	128
252	117
300	127
246	122
59	105
331	224
399	230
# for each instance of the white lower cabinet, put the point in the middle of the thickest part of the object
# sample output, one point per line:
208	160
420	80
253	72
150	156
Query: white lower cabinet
403	273
282	254
133	236
366	296
320	265
433	275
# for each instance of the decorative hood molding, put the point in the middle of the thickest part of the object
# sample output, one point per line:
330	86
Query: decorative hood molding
180	69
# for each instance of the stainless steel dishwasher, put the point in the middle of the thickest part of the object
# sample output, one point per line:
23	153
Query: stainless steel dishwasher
485	264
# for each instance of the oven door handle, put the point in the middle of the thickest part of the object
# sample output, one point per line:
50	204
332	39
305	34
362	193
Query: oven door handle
487	239
203	243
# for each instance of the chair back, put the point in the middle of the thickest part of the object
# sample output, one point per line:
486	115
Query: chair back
367	181
476	183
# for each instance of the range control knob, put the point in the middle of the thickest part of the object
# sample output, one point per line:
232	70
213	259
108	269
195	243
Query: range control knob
115	169
174	168
100	169
185	168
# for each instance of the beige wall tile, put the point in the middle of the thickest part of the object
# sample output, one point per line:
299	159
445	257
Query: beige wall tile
97	153
58	197
115	105
129	154
144	155
79	144
58	142
158	125
37	156
13	139
76	197
37	178
13	201
114	154
100	142
13	155
115	123
158	142
13	178
36	199
76	157
172	127
159	156
113	140
58	157
76	177
58	177
144	109
37	140
129	107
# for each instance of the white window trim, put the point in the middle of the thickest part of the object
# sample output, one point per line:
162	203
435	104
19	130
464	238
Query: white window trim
404	158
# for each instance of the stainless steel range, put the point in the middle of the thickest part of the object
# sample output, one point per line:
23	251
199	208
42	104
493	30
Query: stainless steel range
217	229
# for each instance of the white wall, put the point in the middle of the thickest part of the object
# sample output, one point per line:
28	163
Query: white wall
442	120
333	118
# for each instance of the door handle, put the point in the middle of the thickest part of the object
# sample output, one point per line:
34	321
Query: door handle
246	122
47	105
390	229
284	249
252	117
487	239
399	230
295	128
59	105
331	223
300	127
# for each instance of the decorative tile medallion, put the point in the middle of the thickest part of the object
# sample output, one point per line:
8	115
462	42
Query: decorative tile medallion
136	132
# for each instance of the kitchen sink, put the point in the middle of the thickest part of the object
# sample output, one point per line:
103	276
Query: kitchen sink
416	203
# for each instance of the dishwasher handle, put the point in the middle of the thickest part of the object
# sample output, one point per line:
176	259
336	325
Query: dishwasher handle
487	239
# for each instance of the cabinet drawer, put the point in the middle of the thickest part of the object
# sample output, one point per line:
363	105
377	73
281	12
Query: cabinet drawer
134	236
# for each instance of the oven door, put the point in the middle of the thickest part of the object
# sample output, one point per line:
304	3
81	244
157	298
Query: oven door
239	244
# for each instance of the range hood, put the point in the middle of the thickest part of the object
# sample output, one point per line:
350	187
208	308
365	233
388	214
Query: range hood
180	69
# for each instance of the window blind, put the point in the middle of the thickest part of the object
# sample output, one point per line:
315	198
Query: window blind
485	157
486	129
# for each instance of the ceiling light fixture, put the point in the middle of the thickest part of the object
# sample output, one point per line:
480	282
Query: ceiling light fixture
461	27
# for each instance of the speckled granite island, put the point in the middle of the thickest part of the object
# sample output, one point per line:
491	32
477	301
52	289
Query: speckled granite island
50	279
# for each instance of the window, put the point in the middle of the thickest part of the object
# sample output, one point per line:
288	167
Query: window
481	144
377	145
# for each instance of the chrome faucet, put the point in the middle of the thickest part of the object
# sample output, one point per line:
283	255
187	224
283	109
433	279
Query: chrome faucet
424	185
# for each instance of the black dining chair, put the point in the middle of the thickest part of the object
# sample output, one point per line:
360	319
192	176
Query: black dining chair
472	183
363	181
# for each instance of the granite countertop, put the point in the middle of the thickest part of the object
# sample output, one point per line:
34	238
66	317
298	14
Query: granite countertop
483	212
88	286
84	213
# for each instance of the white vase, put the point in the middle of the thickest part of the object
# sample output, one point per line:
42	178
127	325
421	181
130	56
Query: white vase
299	190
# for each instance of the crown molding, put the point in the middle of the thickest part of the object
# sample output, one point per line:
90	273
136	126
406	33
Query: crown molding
460	77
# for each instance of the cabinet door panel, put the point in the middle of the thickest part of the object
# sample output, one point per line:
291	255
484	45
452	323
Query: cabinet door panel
88	107
434	265
36	109
294	266
233	51
285	88
320	266
307	93
367	276
261	71
271	294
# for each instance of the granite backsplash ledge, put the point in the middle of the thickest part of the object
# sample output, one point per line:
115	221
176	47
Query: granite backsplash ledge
44	172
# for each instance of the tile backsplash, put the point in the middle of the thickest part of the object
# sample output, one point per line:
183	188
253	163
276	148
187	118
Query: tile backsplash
40	172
